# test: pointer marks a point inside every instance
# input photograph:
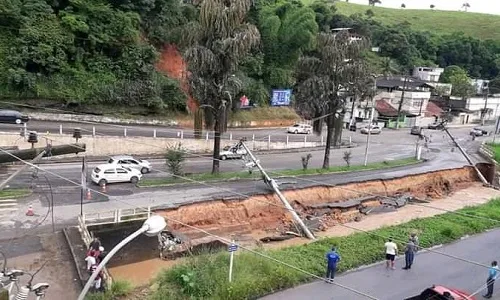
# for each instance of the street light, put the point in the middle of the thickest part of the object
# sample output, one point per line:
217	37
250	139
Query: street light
371	118
154	225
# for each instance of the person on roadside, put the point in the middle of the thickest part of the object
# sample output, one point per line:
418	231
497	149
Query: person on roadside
409	254
91	260
100	255
391	250
414	239
490	281
95	244
332	258
98	282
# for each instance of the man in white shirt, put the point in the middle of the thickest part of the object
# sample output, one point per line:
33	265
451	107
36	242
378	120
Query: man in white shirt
391	250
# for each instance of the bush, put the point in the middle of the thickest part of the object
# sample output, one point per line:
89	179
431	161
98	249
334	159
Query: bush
175	156
254	276
118	289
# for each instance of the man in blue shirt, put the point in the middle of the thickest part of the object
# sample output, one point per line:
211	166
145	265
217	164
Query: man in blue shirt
332	258
492	275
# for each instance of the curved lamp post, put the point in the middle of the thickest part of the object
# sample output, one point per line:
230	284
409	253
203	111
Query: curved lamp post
152	226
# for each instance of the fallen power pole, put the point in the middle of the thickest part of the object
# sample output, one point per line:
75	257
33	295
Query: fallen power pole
21	169
272	183
481	177
29	154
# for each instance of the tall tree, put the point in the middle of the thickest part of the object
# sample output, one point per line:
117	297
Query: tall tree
373	2
217	43
432	6
403	5
323	78
287	30
466	6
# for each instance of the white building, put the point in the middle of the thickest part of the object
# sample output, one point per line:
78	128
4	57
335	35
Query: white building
469	111
430	74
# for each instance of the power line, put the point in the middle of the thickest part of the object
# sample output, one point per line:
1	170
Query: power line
193	227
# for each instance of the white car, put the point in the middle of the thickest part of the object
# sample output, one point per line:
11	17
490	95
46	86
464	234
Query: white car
373	129
232	152
133	163
300	128
112	173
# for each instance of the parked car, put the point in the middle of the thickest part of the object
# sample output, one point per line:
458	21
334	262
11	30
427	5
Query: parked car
12	117
300	128
232	152
438	292
435	125
373	129
416	130
478	131
112	173
130	162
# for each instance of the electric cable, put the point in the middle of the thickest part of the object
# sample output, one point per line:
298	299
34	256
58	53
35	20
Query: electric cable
125	202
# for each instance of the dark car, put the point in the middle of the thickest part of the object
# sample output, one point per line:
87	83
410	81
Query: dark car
439	292
416	130
12	117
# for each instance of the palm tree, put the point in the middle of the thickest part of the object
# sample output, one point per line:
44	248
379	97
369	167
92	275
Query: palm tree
216	44
388	67
433	6
403	5
466	6
324	79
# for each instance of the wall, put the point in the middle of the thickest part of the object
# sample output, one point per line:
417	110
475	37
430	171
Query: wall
109	145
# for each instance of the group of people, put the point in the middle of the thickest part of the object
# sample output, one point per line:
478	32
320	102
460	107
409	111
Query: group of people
411	248
95	254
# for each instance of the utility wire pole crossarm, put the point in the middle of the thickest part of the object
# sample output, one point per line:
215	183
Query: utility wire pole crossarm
272	183
21	169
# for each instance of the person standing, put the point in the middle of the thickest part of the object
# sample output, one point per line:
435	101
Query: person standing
490	281
332	258
409	254
414	239
391	250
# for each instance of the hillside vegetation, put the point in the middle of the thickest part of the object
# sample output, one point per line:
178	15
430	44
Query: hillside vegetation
481	26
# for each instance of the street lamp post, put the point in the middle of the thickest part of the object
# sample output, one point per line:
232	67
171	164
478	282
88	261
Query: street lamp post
152	226
371	119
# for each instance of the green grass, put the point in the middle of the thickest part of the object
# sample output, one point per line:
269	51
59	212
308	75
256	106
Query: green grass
14	193
265	113
226	176
118	290
496	151
482	26
205	276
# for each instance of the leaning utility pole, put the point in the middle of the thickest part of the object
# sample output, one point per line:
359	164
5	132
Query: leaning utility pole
21	169
28	154
272	183
400	106
481	177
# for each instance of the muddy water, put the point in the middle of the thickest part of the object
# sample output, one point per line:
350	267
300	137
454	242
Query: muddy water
141	273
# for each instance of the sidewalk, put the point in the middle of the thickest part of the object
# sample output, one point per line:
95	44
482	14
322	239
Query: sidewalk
384	284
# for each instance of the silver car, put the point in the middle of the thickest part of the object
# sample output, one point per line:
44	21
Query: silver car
373	129
130	162
232	152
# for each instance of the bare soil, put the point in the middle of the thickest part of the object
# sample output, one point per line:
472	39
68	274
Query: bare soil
249	220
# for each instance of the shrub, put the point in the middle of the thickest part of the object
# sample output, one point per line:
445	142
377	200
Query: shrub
175	156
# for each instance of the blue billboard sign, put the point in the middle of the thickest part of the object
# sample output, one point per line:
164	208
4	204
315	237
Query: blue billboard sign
281	97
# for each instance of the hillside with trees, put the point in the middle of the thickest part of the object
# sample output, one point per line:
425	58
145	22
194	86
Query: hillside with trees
104	53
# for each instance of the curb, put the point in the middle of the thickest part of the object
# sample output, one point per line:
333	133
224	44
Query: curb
193	155
73	255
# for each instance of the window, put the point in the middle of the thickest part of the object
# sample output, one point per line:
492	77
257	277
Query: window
121	171
109	171
417	103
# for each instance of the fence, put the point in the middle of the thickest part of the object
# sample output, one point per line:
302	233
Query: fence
115	216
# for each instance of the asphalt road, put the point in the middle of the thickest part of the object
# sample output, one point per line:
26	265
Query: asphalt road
429	268
148	131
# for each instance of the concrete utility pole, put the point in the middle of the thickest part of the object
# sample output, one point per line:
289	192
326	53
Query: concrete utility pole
486	91
24	167
481	177
372	112
272	183
400	106
27	154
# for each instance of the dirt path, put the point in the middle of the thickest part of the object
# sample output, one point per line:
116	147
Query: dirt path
143	272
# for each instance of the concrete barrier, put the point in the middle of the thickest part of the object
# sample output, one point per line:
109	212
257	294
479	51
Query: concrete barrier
114	145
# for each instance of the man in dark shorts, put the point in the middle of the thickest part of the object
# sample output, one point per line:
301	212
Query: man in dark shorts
391	250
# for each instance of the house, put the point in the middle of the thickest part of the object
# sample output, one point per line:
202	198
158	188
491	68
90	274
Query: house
411	92
428	74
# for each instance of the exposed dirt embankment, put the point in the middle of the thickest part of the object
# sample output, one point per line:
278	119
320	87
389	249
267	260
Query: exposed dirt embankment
338	203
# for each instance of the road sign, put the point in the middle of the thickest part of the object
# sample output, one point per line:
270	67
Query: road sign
232	248
281	97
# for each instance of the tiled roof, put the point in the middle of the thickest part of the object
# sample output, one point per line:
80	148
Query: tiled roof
433	110
385	109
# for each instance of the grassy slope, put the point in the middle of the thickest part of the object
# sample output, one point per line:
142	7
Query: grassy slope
481	26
